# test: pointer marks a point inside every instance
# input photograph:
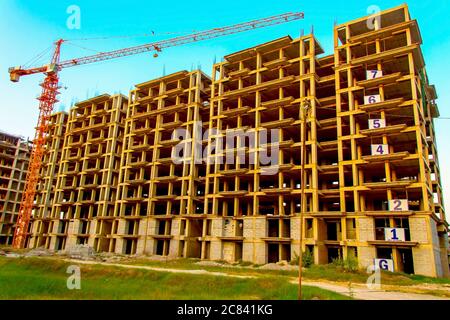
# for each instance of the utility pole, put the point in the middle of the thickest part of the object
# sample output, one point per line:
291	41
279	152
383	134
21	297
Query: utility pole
306	108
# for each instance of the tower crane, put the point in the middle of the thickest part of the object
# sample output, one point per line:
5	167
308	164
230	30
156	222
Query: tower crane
50	87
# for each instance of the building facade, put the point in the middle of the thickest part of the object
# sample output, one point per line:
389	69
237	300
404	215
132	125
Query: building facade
363	117
14	159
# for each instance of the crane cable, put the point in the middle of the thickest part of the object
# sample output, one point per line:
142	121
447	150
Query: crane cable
37	58
82	47
152	34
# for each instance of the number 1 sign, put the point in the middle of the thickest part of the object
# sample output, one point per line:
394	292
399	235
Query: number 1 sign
394	234
398	205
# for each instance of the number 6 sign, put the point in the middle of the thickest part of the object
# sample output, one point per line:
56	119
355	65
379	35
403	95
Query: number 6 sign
375	98
398	205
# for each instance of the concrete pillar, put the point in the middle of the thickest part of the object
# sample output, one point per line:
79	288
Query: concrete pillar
366	256
426	255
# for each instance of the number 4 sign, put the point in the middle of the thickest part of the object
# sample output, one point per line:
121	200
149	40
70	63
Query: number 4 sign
373	74
380	149
377	123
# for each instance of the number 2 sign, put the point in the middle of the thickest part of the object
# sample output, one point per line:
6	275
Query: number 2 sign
380	149
377	123
398	205
373	74
375	98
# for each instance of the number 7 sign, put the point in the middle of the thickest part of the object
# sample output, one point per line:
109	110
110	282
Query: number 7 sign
373	74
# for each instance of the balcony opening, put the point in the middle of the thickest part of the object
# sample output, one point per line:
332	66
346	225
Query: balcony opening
406	262
273	253
334	253
273	228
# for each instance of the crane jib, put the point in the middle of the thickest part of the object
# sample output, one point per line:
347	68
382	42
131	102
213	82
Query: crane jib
199	36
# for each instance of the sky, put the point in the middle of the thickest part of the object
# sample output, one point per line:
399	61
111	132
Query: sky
29	27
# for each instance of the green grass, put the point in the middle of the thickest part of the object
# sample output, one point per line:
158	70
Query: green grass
37	278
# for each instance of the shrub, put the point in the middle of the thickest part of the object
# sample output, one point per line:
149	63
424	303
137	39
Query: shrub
307	259
348	264
245	263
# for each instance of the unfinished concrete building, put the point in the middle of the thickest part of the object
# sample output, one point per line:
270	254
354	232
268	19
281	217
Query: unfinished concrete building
371	167
14	158
385	109
86	187
160	210
365	114
42	222
255	214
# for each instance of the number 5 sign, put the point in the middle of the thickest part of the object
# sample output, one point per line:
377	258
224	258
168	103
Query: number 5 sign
377	123
380	149
398	205
394	234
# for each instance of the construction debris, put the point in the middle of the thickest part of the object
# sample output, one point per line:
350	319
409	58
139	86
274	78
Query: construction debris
279	266
80	251
38	252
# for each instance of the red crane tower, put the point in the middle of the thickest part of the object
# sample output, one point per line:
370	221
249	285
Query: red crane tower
50	87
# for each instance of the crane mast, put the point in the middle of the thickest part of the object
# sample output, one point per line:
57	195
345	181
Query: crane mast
50	86
47	101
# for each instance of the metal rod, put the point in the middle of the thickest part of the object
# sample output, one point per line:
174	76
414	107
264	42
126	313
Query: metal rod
305	110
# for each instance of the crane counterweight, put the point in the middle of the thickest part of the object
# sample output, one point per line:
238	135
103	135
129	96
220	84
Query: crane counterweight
13	75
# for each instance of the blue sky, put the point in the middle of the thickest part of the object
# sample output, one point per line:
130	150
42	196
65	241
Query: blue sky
27	27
